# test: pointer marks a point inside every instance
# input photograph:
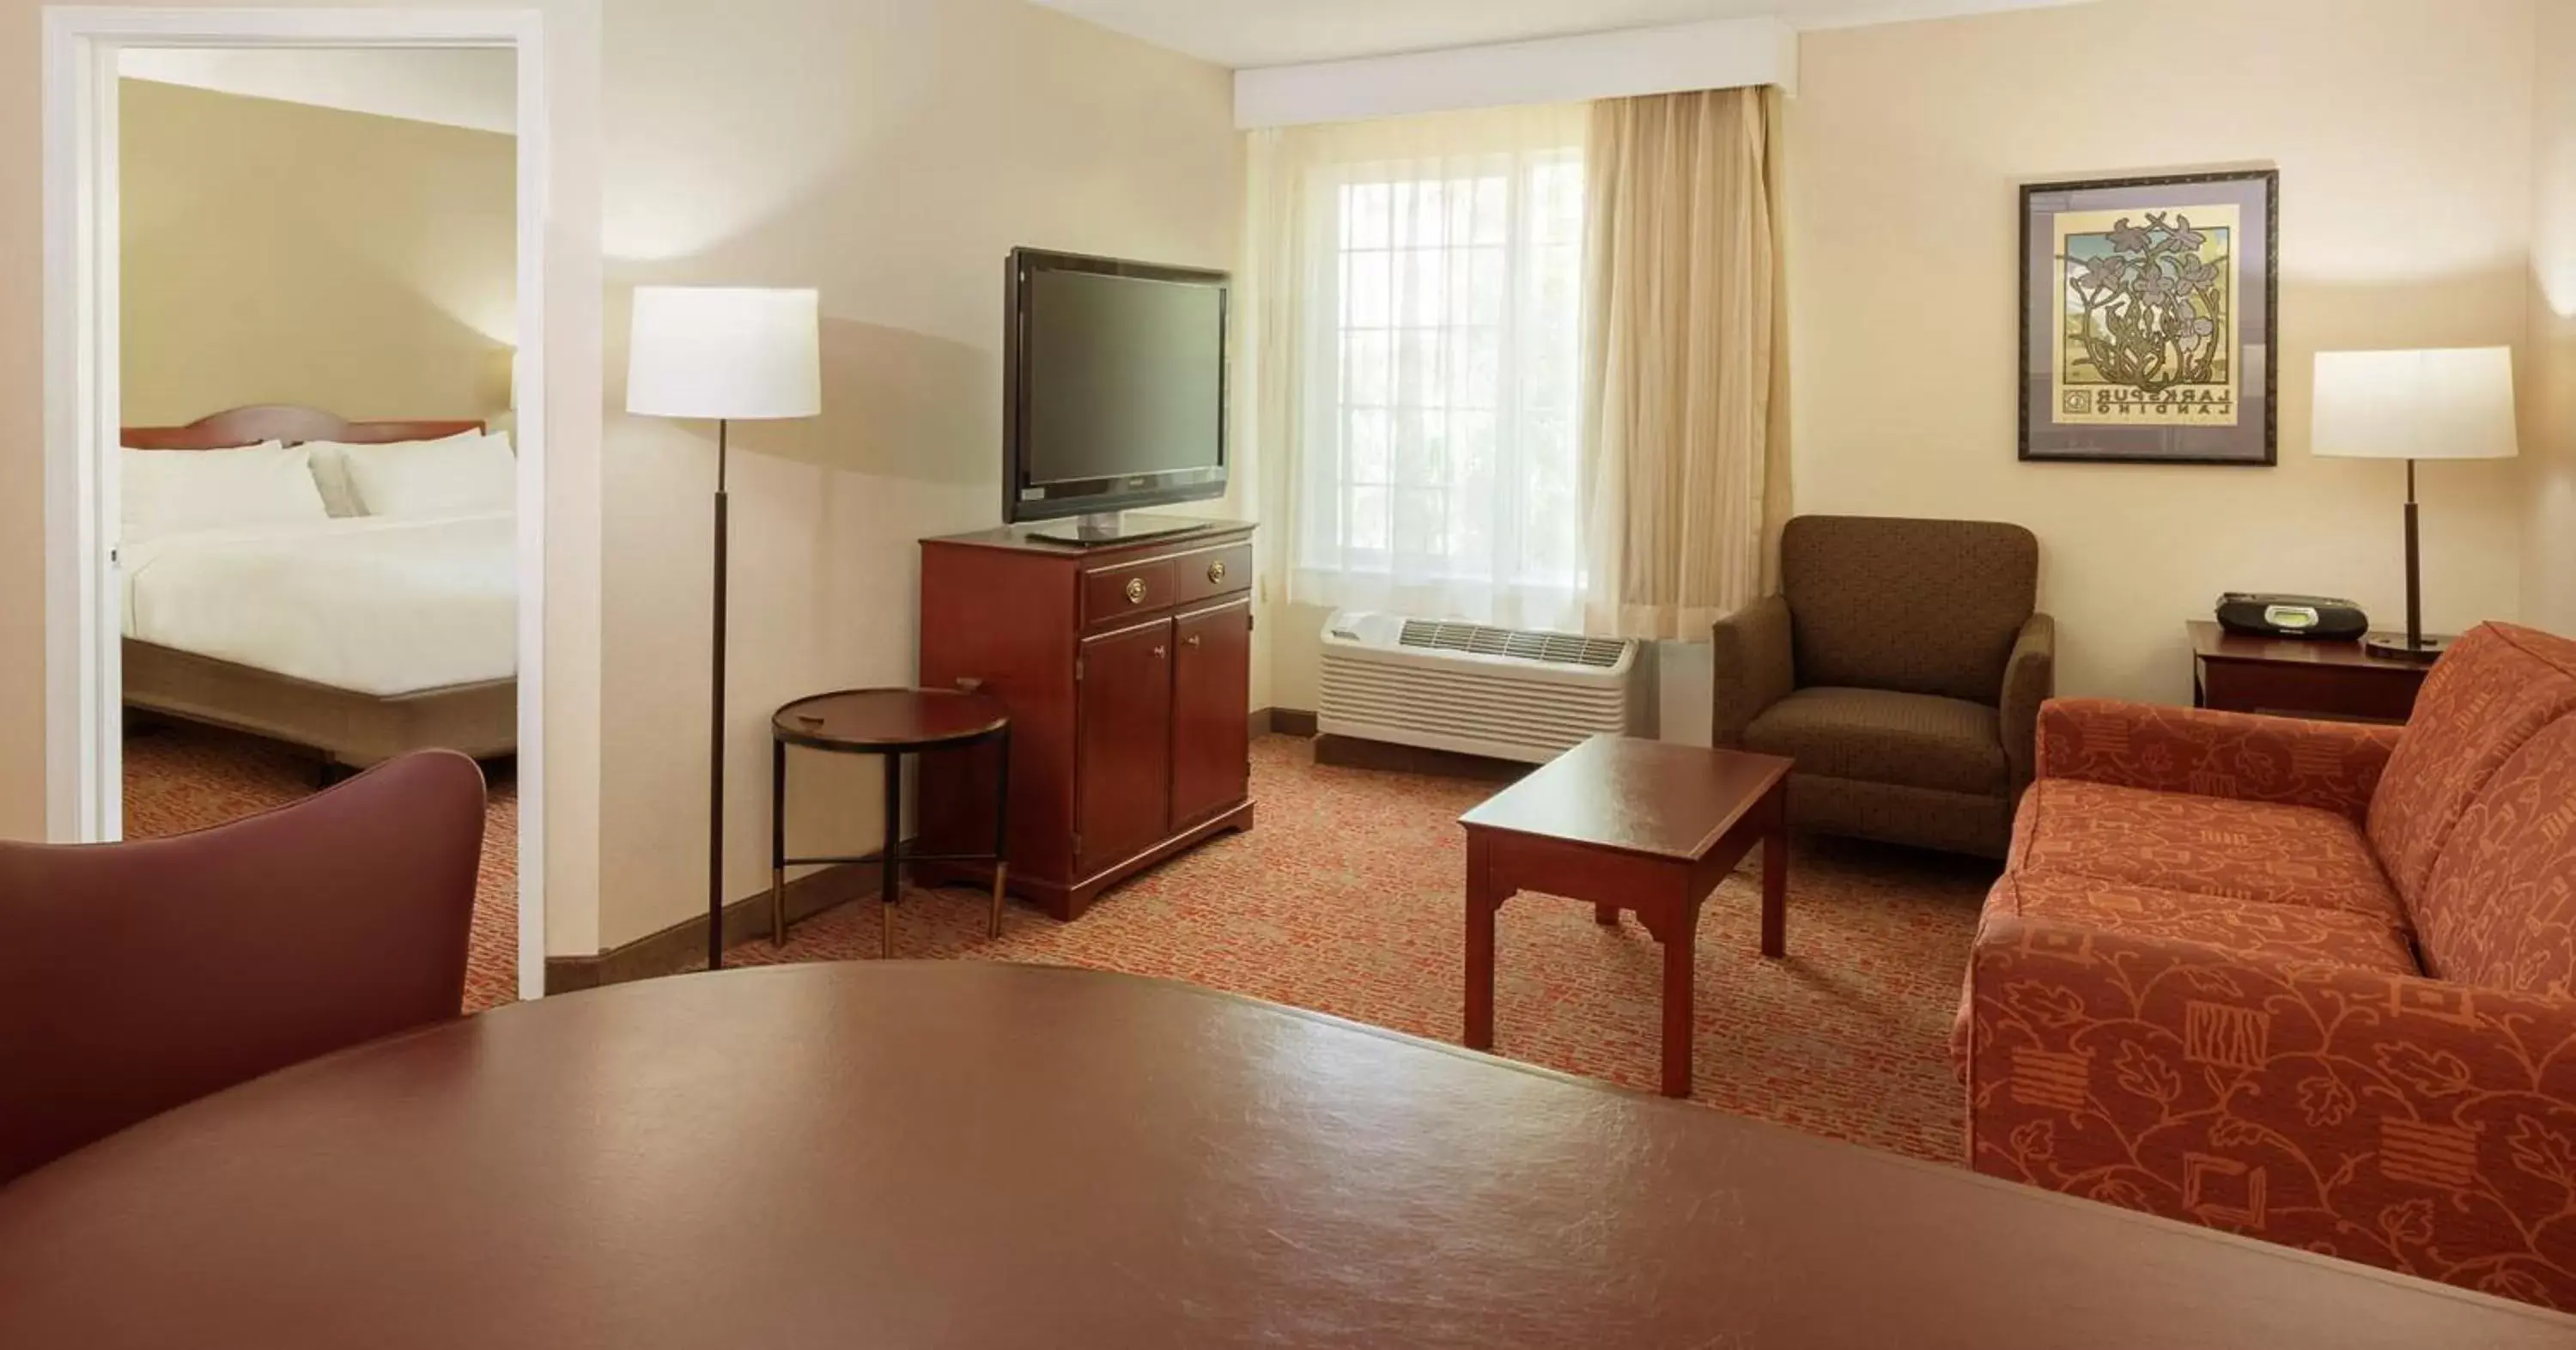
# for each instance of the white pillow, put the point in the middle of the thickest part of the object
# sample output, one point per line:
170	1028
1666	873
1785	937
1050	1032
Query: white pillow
469	475
177	491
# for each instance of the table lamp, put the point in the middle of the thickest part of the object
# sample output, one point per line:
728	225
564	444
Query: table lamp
2445	403
723	354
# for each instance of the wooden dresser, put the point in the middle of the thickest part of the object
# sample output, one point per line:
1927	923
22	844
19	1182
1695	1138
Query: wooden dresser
1127	670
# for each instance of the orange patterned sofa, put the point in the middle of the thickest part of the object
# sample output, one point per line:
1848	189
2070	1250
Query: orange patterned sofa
2304	981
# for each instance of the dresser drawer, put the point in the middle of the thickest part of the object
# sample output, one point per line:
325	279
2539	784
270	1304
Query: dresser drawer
1212	572
1109	594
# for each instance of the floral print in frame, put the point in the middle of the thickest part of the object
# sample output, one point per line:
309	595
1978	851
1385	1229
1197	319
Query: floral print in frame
2148	311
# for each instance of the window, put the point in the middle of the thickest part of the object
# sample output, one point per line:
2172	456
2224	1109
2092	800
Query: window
1442	328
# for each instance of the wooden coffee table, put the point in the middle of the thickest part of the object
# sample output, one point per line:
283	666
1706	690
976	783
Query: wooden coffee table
1635	825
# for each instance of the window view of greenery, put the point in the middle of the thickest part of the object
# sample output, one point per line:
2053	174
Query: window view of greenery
1458	318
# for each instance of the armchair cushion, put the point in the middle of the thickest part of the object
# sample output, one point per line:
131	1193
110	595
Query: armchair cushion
1879	736
2260	851
1919	606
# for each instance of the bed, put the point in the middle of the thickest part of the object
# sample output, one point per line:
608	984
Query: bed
361	638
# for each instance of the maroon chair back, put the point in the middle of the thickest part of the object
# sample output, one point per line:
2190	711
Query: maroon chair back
138	976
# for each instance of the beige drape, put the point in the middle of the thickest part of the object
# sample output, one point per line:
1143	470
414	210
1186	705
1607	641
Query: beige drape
1685	360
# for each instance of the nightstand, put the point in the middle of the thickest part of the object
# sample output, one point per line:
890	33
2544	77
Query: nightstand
2296	677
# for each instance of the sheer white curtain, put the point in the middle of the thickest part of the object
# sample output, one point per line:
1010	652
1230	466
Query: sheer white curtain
1416	361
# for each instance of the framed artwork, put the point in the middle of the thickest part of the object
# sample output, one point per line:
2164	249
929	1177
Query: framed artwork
2147	315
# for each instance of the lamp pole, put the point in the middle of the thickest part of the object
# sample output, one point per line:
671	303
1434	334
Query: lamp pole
2414	570
716	730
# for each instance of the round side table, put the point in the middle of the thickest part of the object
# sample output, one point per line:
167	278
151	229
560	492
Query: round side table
889	723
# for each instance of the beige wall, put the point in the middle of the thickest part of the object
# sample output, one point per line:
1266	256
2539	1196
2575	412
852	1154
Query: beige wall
2403	133
2549	367
890	152
282	253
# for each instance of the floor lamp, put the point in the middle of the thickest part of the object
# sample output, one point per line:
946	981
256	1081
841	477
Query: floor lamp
725	355
2446	403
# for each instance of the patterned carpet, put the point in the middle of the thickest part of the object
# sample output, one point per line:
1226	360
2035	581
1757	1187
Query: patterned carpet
1345	899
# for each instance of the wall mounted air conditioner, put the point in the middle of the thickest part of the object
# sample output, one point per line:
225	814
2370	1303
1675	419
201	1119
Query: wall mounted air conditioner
1505	693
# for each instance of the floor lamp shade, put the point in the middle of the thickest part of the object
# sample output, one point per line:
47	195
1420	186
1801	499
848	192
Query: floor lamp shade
725	353
2443	403
2446	403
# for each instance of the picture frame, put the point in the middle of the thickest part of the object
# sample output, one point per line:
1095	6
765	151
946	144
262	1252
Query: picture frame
2148	324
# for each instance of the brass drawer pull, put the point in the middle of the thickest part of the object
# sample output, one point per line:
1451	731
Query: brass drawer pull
1161	651
1135	590
1216	572
1191	641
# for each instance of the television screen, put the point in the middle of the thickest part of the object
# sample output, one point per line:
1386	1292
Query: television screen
1117	386
1123	376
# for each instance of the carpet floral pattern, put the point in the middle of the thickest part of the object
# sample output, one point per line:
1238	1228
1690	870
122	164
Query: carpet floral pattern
1346	899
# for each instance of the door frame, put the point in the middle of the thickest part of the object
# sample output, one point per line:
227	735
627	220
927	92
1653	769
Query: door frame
84	624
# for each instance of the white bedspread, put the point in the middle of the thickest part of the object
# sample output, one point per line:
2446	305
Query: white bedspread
368	604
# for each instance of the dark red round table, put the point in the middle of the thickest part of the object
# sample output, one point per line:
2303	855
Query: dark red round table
890	724
977	1155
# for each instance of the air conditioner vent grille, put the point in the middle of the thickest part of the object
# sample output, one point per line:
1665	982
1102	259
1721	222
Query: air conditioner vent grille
1516	644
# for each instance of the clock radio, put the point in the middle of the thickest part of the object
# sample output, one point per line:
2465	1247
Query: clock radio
2292	616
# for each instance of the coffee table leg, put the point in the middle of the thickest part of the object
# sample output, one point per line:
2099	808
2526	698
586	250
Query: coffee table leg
1480	948
1775	894
1679	945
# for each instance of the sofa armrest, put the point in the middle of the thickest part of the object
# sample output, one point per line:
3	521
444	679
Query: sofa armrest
2030	679
2243	756
2382	1117
1751	667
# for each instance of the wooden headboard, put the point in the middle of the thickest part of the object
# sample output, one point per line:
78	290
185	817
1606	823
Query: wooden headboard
284	422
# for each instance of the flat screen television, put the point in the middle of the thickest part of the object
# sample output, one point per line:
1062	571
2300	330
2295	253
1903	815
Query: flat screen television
1114	392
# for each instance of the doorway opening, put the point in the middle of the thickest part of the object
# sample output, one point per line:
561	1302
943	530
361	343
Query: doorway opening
295	419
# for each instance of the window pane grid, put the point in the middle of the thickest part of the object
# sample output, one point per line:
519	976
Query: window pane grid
1455	332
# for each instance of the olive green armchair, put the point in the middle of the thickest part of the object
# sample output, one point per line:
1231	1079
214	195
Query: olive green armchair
1902	666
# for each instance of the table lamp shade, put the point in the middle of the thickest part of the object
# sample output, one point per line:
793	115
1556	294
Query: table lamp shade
724	353
2446	403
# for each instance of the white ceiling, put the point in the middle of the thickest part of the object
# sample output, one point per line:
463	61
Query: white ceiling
474	87
1245	33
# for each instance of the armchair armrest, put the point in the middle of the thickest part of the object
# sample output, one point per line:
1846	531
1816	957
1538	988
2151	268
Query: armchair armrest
2382	1117
1751	667
2030	678
2243	756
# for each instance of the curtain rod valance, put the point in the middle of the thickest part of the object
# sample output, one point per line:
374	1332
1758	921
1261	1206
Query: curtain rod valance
1675	58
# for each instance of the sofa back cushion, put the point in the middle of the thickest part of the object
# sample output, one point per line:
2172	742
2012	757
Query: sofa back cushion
2488	698
1917	606
2500	906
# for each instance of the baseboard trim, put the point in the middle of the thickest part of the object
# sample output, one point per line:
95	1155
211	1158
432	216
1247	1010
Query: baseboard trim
1351	752
673	949
1283	722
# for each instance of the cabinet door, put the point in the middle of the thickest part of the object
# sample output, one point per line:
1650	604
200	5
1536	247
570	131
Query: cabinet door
1211	724
1126	745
